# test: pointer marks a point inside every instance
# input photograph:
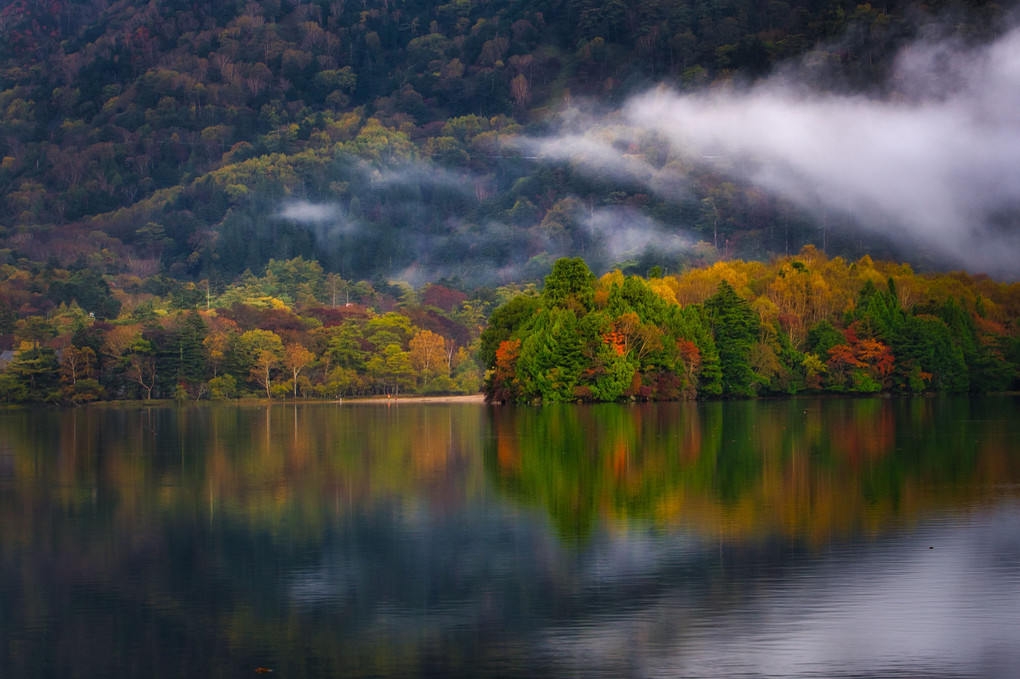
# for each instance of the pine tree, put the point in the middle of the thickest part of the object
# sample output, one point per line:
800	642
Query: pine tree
735	328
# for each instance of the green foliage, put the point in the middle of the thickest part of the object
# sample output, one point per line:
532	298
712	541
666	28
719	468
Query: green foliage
735	329
822	337
571	284
925	343
222	387
503	324
550	362
88	288
32	376
176	130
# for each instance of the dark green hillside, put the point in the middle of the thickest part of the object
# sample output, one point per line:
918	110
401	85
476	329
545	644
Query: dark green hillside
204	138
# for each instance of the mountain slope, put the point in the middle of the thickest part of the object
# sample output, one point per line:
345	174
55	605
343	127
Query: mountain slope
206	138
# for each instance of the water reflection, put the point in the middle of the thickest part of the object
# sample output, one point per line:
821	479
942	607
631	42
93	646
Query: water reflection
786	538
803	468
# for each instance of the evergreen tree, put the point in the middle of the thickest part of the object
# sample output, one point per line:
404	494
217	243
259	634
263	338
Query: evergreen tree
90	290
503	323
551	359
33	375
571	284
692	324
924	343
735	329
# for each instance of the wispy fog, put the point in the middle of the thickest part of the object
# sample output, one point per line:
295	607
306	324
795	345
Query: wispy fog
933	163
310	213
484	252
625	233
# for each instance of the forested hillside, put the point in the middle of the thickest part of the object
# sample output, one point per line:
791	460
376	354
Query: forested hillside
201	139
328	197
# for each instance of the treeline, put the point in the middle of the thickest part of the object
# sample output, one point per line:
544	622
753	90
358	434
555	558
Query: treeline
804	324
71	337
166	134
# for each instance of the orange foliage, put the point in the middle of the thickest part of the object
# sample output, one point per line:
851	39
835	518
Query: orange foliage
616	340
875	355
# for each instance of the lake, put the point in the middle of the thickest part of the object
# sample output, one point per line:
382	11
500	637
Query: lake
800	538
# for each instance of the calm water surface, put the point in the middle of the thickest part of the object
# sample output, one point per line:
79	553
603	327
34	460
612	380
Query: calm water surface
806	538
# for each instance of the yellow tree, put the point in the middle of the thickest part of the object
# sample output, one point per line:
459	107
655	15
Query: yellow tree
295	358
262	369
428	351
119	340
265	349
641	338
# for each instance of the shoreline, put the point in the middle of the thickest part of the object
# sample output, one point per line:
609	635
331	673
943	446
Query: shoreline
468	398
378	400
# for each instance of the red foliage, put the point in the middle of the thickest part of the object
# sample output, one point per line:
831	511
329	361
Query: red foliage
331	316
843	356
442	297
862	353
428	319
877	356
276	320
689	353
501	386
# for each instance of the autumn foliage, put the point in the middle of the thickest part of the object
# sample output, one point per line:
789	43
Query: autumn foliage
272	336
804	324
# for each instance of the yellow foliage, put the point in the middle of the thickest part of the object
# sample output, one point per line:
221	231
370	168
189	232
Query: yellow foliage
269	303
766	309
605	285
665	288
697	285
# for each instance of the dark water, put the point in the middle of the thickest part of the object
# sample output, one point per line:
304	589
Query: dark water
837	538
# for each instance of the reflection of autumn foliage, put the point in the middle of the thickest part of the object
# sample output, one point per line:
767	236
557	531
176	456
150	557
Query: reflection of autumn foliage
865	435
802	468
508	454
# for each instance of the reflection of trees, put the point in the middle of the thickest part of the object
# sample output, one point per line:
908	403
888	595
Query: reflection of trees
233	531
177	524
806	468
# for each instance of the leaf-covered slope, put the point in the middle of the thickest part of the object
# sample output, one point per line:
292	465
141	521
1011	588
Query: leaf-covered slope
179	134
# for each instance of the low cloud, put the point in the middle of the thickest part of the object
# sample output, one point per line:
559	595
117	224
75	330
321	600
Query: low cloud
933	164
420	174
624	233
602	146
304	212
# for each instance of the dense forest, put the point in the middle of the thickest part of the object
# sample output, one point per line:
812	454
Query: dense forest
799	324
804	324
291	332
322	198
377	138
